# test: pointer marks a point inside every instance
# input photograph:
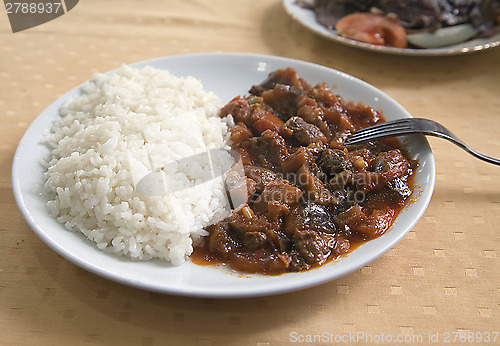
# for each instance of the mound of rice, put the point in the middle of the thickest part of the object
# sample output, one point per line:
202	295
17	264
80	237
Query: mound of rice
107	139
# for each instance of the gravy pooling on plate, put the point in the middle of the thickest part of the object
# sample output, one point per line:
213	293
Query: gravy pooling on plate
310	199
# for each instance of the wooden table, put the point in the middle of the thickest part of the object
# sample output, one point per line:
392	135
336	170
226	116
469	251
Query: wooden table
442	278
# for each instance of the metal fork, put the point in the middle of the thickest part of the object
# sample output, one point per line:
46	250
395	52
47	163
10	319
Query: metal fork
401	127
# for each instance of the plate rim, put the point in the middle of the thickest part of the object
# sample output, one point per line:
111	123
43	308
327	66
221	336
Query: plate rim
295	12
216	293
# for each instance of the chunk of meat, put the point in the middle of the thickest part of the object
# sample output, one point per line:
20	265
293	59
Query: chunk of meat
371	224
351	218
339	245
344	128
239	134
286	76
260	175
385	167
392	164
359	160
333	114
340	180
394	193
362	115
277	237
332	161
367	181
240	224
297	262
269	150
277	194
323	95
310	217
276	209
311	246
283	99
219	241
303	132
254	240
314	189
302	156
239	109
314	114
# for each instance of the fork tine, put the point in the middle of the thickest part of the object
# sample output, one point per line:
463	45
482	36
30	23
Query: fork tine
391	122
379	135
400	123
378	129
387	129
387	124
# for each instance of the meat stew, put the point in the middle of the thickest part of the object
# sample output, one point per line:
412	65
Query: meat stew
310	198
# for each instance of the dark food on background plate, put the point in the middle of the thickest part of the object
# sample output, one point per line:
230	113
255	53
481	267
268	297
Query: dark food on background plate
385	22
310	198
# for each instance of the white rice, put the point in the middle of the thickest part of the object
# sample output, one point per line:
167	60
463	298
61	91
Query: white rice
102	145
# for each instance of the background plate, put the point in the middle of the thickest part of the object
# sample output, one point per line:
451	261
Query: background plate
307	18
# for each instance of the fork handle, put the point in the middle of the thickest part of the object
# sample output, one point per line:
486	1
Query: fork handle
483	157
467	148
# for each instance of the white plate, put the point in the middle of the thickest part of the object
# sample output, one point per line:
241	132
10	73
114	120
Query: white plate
307	18
227	75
